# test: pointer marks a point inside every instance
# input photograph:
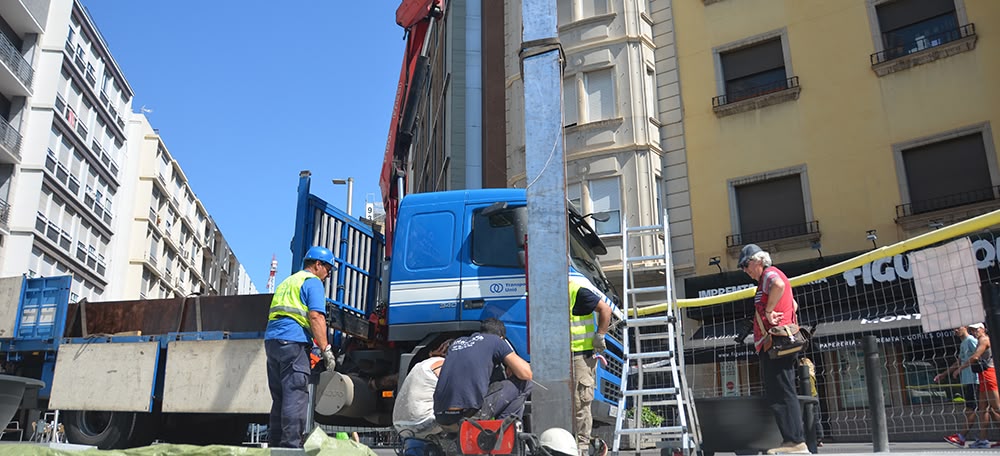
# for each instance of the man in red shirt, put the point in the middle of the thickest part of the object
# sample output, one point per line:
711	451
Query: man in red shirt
774	306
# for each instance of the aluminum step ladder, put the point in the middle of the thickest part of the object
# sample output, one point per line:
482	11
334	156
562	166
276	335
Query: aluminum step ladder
653	347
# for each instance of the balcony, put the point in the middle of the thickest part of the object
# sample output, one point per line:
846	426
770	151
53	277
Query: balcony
925	50
25	16
772	236
4	217
16	74
105	158
918	215
82	71
150	259
10	143
735	102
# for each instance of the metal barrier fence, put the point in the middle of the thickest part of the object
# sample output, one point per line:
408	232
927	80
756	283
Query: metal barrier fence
910	299
374	437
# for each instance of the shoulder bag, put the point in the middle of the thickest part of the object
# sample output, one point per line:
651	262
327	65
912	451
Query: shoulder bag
783	340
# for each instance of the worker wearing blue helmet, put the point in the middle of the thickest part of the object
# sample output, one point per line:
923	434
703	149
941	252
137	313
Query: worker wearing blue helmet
296	319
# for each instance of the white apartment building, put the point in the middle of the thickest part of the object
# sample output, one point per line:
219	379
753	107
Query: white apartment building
76	175
622	118
64	193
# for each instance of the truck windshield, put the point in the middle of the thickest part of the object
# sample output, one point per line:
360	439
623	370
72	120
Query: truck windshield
495	242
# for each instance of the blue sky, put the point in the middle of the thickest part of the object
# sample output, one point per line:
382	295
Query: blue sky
246	94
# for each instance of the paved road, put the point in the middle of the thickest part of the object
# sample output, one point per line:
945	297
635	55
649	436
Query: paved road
840	449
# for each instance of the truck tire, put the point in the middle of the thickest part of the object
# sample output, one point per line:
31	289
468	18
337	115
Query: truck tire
108	430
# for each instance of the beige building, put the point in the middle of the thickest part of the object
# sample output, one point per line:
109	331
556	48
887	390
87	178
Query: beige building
621	115
174	247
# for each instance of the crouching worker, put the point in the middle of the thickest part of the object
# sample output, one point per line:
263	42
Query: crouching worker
413	413
464	388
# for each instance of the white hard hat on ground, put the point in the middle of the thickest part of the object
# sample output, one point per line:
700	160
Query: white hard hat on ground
559	441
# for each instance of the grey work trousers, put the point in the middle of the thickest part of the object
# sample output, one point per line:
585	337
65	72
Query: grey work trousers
288	381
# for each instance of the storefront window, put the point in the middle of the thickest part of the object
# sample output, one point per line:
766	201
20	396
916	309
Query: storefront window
852	385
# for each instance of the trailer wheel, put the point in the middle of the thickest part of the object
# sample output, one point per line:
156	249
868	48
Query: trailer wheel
106	430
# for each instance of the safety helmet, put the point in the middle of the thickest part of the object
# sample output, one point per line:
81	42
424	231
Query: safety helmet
559	442
319	253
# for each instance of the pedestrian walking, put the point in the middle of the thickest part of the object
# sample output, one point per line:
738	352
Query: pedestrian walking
981	363
970	385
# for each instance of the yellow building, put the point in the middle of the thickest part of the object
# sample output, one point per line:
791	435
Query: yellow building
825	128
810	122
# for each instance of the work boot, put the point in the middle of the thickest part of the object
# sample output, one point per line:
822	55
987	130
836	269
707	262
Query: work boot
598	447
790	448
956	439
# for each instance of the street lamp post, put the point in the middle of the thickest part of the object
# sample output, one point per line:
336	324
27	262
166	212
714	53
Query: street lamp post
350	190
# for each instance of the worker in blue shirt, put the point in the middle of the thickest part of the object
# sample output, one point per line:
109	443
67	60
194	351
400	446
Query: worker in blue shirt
297	319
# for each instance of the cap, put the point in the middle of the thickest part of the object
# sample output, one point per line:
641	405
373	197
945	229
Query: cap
748	251
977	326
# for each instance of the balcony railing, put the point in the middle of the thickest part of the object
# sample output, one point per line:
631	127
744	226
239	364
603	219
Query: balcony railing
771	234
14	60
948	201
753	92
927	42
10	138
4	214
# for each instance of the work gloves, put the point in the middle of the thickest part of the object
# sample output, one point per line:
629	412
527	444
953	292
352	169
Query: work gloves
329	358
599	345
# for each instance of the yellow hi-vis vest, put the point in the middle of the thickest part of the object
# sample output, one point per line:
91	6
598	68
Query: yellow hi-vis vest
581	327
287	300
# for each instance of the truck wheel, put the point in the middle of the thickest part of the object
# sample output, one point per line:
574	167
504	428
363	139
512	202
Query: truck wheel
106	430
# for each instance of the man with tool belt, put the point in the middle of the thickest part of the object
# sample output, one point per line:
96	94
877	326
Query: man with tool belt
297	317
586	343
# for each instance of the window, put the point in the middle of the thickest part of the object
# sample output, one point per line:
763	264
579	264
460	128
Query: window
429	241
570	102
600	93
154	243
948	173
753	70
574	197
575	10
770	209
494	237
606	198
909	26
650	93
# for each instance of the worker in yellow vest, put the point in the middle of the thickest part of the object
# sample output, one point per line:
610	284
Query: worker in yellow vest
296	319
586	342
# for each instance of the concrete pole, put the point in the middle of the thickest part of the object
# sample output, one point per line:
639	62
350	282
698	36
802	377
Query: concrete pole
548	266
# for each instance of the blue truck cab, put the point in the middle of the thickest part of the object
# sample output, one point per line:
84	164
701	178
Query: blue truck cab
458	257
